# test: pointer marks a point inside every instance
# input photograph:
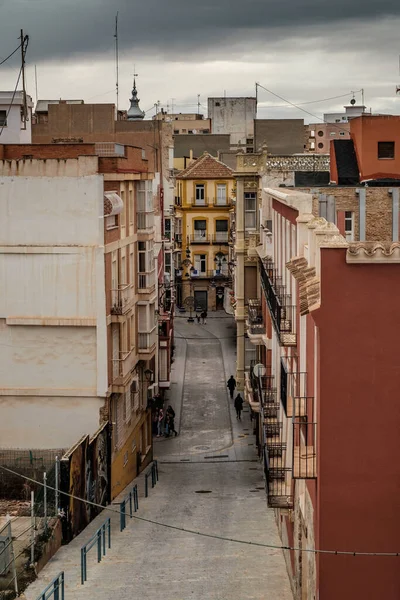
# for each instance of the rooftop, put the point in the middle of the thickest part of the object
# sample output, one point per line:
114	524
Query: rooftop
206	167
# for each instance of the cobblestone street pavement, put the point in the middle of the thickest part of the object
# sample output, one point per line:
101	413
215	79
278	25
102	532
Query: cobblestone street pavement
210	481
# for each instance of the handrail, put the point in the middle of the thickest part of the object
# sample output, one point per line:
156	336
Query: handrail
53	589
133	500
153	471
98	537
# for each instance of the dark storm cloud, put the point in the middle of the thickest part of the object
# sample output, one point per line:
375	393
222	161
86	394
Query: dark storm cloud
62	28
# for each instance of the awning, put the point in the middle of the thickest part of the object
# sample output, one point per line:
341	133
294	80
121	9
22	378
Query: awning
113	204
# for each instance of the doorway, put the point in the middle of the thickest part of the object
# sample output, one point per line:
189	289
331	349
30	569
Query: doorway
200	300
219	292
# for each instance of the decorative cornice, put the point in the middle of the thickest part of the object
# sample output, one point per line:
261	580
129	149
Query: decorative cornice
303	162
309	284
378	252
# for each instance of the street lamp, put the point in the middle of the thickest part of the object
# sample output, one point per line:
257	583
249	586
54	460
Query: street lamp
148	373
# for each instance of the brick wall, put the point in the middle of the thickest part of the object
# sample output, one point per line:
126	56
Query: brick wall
379	216
45	151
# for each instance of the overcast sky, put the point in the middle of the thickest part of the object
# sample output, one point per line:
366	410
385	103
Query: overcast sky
303	50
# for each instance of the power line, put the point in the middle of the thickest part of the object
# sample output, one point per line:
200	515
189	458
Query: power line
302	109
310	101
12	99
202	533
10	55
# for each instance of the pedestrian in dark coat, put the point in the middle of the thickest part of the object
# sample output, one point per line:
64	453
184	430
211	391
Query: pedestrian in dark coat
204	317
231	385
238	406
171	422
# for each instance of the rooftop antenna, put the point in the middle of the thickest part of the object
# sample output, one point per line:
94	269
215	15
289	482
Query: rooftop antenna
198	104
117	57
36	85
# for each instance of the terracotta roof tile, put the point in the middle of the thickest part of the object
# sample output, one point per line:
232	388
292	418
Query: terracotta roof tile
206	167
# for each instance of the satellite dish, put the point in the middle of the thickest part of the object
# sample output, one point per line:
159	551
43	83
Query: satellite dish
259	370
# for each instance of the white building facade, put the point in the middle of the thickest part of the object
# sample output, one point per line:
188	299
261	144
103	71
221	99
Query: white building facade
53	343
14	128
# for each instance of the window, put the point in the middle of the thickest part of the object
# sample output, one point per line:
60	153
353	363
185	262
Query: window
131	206
183	130
3	118
349	225
200	228
190	131
312	133
385	149
250	208
249	140
221	230
200	198
320	133
221	194
167	262
337	120
333	132
111	222
217	104
176	131
200	263
342	133
167	229
320	145
206	131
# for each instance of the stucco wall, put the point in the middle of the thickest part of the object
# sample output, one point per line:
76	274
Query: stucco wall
12	133
234	116
46	421
53	351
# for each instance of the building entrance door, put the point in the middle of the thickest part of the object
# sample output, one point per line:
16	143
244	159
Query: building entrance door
220	298
200	300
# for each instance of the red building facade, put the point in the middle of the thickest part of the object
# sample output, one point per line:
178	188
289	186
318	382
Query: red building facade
326	400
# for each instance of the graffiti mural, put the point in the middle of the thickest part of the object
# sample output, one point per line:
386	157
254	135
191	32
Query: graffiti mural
85	473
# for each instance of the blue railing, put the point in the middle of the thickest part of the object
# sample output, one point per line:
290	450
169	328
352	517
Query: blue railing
132	500
152	472
55	589
99	538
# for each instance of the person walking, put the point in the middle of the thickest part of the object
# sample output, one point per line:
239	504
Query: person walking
171	415
160	421
238	406
198	318
231	384
204	317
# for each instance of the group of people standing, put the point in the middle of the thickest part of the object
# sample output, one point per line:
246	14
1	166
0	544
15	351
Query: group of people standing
164	424
231	385
202	317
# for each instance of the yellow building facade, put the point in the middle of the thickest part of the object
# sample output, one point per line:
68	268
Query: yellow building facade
204	195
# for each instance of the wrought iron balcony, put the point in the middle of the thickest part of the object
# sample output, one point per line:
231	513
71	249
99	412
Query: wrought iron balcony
120	299
201	237
304	438
283	313
220	237
255	325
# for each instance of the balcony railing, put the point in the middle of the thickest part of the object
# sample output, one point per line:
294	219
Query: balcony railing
119	366
217	274
200	202
147	341
146	281
256	325
120	299
178	239
200	237
220	237
304	428
145	222
283	313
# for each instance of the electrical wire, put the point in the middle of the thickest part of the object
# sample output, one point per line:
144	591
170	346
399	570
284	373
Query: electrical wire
12	101
310	101
10	55
302	109
202	533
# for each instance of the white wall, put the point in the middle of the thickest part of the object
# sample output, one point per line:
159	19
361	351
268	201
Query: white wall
47	421
15	132
233	115
53	344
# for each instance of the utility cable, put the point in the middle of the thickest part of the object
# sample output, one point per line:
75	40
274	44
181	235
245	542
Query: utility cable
10	55
310	101
302	109
203	534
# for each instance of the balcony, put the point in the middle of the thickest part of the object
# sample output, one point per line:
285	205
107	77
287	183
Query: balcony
146	282
147	341
201	203
178	239
220	204
217	274
121	368
120	300
255	322
304	438
145	222
283	313
200	237
220	237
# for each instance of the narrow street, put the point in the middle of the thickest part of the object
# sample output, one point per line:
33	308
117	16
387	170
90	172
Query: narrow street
210	481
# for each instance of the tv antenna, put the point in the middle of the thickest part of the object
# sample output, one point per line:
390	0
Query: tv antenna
117	57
